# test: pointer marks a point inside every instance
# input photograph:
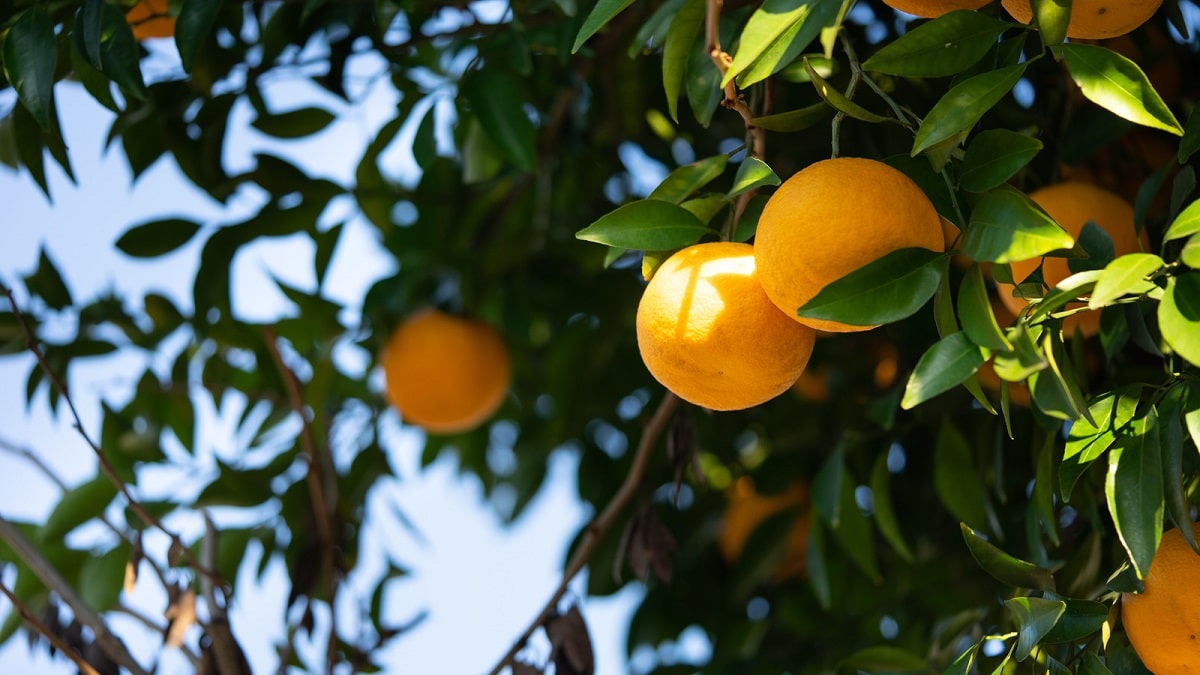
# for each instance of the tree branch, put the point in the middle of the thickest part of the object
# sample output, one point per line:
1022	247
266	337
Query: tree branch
722	59
106	467
84	667
28	553
600	526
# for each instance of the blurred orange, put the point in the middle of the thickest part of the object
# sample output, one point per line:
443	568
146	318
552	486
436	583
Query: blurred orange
150	19
746	509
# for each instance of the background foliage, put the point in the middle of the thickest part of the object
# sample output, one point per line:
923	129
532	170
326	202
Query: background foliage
952	526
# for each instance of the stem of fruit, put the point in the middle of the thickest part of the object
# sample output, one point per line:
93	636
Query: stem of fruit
596	529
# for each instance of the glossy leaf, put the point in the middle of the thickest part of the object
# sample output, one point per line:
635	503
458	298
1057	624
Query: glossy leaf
1079	619
1190	142
1190	253
119	51
1134	491
975	313
1118	85
30	55
648	225
889	289
1191	413
1034	618
601	14
677	49
838	101
820	15
964	105
943	46
686	180
752	173
957	479
1052	18
1003	567
771	29
794	120
1007	226
1126	275
1096	249
1179	316
1185	224
157	237
993	157
497	101
942	367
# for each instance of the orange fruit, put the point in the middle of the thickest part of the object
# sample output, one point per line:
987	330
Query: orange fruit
746	509
831	218
444	373
1163	621
1094	19
149	19
1072	204
932	9
708	332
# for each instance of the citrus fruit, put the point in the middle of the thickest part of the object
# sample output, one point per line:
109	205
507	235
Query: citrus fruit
445	373
1094	19
1163	621
747	509
149	19
831	218
932	9
1072	204
707	331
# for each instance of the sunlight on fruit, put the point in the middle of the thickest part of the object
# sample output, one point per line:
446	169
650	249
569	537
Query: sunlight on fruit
1163	621
1094	19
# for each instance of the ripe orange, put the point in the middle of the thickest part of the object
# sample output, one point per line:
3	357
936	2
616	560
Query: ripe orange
1072	204
830	219
149	19
932	9
747	509
707	331
1094	19
1163	621
445	373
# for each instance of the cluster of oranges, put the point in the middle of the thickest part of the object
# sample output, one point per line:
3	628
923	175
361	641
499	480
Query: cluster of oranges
1090	19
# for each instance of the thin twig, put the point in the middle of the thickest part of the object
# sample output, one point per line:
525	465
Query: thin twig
108	641
595	530
722	59
855	78
84	667
106	466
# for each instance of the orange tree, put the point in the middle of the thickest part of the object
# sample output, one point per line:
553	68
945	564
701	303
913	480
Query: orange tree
949	529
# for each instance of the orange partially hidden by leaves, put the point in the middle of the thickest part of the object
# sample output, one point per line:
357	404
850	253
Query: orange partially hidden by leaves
932	9
1072	204
446	374
1163	621
149	19
708	332
831	218
1094	19
747	509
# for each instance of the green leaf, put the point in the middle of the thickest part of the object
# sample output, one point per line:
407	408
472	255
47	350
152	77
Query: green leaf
964	104
965	663
120	55
30	55
1126	275
1134	490
157	237
1003	567
838	100
975	312
943	366
1052	18
1097	247
1185	224
1007	226
77	506
853	531
103	578
888	289
677	48
751	174
686	180
885	513
783	52
1079	619
601	14
296	123
1190	142
1179	316
771	29
794	120
192	28
1190	253
47	283
498	102
648	225
818	568
993	157
943	46
1092	665
1118	85
1034	617
956	478
885	659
